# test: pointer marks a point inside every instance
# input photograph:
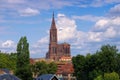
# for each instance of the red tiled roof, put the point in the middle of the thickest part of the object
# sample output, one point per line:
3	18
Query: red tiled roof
65	68
32	61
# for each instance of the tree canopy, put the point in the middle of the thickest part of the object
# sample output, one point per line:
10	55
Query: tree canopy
42	67
108	76
23	70
8	60
106	60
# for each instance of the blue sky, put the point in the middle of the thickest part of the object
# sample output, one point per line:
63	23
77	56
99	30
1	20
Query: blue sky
85	24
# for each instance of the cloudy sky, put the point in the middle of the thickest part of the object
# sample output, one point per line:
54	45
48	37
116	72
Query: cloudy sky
85	24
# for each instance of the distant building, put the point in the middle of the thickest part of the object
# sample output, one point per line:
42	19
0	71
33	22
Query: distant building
56	51
65	71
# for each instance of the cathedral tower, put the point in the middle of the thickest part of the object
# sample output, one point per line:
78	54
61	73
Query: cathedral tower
53	40
53	32
56	51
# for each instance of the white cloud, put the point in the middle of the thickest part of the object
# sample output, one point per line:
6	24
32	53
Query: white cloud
35	51
99	3
115	11
43	40
8	44
40	47
15	1
35	7
110	33
101	24
94	36
28	12
111	1
88	18
116	21
67	30
108	27
106	30
66	27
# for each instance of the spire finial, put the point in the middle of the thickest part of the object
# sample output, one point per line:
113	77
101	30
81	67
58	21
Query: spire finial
53	26
53	14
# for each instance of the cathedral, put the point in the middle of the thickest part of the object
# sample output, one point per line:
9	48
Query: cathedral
56	51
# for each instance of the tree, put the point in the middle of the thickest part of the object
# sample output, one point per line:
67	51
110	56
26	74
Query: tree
8	61
99	78
79	67
89	67
107	58
108	76
42	67
111	76
4	60
52	68
12	60
23	70
118	64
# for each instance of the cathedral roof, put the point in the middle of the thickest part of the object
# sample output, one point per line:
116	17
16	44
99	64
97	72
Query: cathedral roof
53	25
65	43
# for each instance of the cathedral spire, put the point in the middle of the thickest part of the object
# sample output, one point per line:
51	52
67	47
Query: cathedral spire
53	14
53	25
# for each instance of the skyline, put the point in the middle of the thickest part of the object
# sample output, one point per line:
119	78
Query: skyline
86	25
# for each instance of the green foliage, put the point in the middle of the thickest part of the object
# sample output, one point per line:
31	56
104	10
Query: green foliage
107	58
99	78
79	67
23	70
44	68
108	76
52	68
88	67
93	74
8	61
118	64
111	76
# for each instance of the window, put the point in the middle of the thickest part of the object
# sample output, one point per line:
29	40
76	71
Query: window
54	49
66	50
53	38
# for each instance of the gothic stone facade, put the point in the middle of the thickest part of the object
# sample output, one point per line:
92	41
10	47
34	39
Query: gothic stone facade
56	51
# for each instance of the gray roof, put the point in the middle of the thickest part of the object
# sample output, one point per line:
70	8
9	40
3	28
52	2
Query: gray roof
46	77
5	70
8	77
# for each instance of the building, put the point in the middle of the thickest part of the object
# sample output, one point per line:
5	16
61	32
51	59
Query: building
47	77
66	59
56	51
65	71
5	74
